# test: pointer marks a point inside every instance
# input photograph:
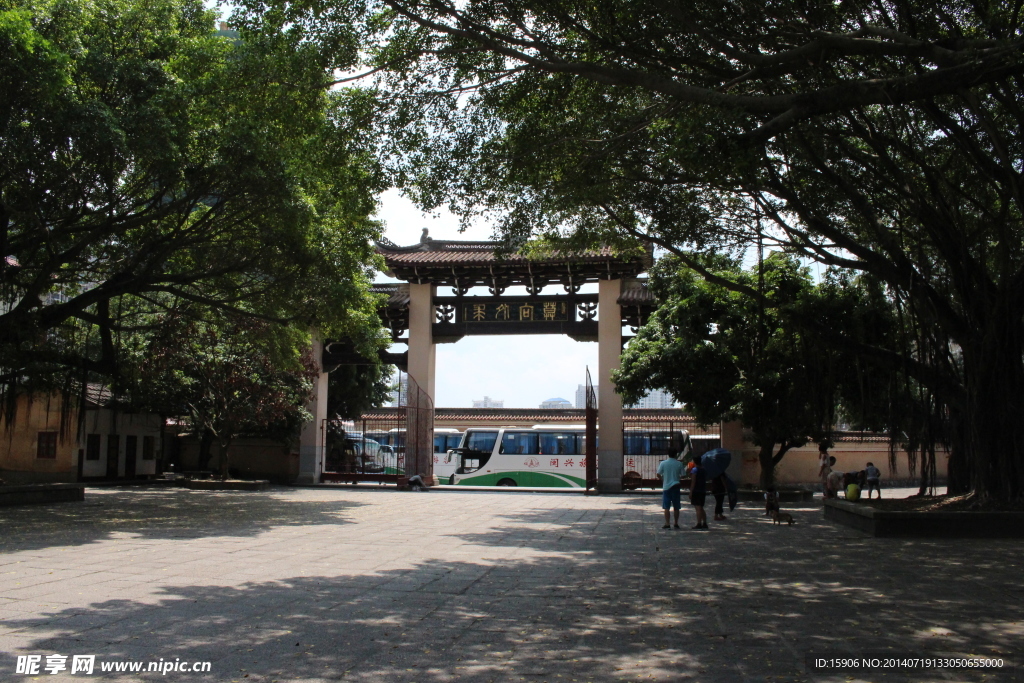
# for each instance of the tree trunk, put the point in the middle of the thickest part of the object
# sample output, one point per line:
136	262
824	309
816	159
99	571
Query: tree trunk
224	445
767	461
958	471
994	382
205	446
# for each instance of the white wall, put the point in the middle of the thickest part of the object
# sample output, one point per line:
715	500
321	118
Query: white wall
106	422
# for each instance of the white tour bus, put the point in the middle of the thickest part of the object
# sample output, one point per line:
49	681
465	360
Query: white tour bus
446	439
542	455
643	449
549	455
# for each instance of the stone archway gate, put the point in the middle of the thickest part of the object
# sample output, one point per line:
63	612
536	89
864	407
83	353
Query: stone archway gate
421	317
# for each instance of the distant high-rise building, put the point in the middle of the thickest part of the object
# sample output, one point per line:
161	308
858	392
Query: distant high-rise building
399	395
581	396
488	402
555	404
656	400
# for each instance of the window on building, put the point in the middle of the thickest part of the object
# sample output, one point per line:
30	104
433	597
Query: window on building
47	445
148	447
92	447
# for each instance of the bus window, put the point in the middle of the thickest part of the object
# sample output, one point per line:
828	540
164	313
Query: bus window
440	441
661	442
379	437
453	442
396	439
481	441
519	443
560	443
636	443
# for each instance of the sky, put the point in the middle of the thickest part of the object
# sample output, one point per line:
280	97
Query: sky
522	370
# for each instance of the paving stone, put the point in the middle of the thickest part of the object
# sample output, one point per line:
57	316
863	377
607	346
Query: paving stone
379	585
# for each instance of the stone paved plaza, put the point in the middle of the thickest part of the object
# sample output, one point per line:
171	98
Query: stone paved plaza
367	584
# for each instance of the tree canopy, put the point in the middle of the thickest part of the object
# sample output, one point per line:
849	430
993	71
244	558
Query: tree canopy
149	164
230	375
880	136
730	356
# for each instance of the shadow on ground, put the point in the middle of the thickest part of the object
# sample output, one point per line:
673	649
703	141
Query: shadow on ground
162	513
598	593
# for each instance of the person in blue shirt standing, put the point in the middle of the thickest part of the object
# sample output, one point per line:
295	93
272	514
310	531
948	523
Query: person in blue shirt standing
670	471
698	492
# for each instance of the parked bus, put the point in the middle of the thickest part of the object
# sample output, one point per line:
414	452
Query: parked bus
446	439
555	455
521	456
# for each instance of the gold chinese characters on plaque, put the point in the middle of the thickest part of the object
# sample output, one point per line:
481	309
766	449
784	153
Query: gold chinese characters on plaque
514	311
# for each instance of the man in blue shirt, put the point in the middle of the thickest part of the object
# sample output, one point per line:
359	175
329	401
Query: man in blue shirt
670	471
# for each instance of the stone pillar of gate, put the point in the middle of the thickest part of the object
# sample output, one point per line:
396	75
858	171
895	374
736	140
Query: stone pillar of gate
422	351
609	404
311	438
422	358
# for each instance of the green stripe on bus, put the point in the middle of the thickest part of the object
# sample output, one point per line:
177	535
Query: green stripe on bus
540	479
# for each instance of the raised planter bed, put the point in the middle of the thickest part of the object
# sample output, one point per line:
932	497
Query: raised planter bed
229	485
33	494
891	523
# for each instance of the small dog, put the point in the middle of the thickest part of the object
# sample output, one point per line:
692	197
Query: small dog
780	517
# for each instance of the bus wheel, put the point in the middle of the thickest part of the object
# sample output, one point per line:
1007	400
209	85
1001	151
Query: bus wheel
507	482
451	480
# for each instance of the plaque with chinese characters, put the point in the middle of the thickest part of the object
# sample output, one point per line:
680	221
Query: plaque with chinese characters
517	311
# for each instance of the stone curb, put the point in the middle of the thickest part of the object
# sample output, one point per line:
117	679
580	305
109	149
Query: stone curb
31	494
216	485
892	523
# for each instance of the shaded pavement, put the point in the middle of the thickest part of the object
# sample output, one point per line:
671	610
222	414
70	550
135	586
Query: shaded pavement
377	585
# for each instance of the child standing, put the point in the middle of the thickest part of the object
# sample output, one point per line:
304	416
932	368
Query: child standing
873	477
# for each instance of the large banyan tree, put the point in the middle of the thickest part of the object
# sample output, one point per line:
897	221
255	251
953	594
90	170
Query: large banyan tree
152	166
880	136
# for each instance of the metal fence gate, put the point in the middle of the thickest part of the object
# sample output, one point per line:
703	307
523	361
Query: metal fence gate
591	434
648	436
389	447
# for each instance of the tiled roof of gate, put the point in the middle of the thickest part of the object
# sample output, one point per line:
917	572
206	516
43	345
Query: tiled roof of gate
455	253
398	294
636	293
